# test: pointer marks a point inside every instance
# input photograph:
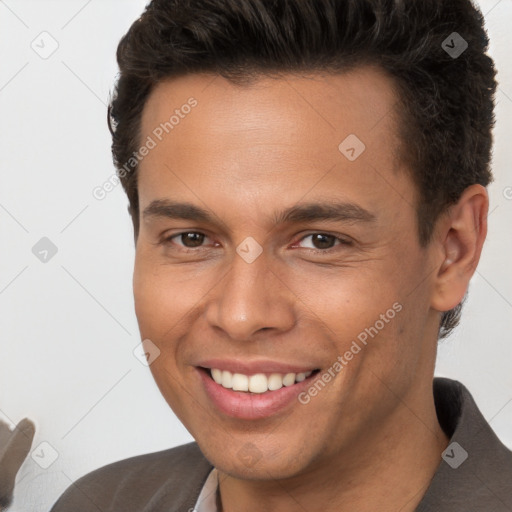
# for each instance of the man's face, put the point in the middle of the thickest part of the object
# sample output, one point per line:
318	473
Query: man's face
247	289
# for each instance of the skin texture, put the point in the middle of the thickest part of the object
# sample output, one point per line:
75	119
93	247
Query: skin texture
369	440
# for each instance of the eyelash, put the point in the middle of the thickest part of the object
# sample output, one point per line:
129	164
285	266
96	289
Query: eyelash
343	241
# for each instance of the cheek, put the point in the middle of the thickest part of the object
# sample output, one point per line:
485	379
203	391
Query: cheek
344	299
361	312
147	301
160	300
159	310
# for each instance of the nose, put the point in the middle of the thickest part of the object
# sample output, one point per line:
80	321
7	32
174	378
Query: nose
250	299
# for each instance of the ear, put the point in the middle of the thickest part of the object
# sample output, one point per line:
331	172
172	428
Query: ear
461	233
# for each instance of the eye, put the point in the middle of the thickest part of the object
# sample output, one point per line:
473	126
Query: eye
187	239
324	241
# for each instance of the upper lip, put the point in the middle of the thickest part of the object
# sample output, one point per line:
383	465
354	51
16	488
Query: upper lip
257	366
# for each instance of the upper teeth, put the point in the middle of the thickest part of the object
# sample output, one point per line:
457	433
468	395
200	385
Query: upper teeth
258	383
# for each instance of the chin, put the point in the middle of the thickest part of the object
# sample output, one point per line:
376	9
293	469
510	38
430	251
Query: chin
250	460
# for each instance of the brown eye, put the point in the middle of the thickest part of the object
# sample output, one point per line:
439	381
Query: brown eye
322	241
185	240
192	239
319	241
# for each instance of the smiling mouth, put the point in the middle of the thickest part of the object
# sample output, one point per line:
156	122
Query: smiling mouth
257	383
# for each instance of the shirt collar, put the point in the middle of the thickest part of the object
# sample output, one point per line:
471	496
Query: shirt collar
207	500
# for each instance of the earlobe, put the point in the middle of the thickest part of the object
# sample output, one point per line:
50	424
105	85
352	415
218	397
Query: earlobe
462	230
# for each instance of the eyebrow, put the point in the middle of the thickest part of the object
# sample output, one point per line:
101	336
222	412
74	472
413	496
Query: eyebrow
308	212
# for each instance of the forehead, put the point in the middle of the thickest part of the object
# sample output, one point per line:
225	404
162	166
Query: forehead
288	132
318	104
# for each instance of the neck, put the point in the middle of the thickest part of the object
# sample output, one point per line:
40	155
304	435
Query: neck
387	468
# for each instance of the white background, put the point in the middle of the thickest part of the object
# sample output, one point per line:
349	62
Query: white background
68	327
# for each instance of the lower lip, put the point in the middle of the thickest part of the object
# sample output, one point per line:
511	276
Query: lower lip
252	406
